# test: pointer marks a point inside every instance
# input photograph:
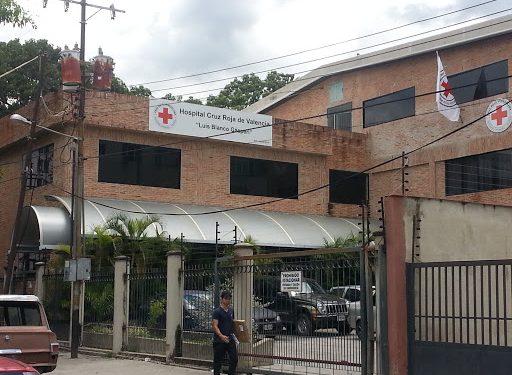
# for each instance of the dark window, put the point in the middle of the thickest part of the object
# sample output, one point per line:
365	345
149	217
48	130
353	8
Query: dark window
266	178
480	83
40	171
340	117
133	164
476	173
353	295
347	187
390	107
19	314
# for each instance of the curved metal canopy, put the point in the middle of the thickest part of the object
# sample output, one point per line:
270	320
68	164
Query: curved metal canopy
197	223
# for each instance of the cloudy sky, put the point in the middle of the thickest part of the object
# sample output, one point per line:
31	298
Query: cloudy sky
165	40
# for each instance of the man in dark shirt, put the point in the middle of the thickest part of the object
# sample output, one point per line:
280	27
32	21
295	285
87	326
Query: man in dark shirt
223	336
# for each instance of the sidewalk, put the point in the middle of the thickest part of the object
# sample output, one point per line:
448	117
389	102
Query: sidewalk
85	365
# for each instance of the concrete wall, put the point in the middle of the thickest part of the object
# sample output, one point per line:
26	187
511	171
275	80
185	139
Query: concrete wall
446	231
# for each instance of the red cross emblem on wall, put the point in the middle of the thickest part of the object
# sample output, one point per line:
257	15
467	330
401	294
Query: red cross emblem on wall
165	115
499	115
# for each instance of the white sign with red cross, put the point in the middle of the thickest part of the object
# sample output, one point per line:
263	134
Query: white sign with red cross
197	120
499	115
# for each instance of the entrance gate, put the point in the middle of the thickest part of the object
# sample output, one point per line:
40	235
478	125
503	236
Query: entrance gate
299	329
460	317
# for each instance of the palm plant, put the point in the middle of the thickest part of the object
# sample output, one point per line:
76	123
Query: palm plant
131	235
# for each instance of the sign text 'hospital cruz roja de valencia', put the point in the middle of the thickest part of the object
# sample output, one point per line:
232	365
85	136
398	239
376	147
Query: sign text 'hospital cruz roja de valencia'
209	122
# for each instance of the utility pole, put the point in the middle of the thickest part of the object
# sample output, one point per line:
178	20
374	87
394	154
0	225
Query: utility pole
78	183
11	257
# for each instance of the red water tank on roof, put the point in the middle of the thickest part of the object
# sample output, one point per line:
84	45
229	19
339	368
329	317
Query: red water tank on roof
70	66
103	68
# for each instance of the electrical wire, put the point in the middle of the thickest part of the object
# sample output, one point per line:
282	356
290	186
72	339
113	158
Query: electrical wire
313	49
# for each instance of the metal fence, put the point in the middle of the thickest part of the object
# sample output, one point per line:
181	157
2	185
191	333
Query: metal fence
464	302
99	310
56	302
147	311
291	332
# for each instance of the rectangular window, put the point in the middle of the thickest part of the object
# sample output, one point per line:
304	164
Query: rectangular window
40	172
488	80
340	117
347	187
483	172
390	107
266	178
134	164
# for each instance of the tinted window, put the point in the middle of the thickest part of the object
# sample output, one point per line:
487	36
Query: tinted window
476	173
353	295
389	107
134	164
347	187
340	117
480	83
267	178
20	314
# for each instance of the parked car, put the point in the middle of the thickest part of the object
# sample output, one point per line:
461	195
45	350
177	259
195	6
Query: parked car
311	309
9	366
353	294
199	306
25	333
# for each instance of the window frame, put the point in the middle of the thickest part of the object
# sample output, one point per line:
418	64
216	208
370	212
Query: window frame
343	174
249	169
341	112
370	104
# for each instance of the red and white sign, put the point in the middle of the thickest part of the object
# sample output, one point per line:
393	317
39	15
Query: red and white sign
499	115
209	122
446	103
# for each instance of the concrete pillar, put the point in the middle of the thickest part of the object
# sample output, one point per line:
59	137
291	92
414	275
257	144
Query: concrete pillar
174	307
243	295
39	284
121	303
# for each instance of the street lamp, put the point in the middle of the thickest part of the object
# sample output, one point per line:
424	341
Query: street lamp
75	202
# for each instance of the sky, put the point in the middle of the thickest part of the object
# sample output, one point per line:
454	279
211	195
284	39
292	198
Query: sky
165	40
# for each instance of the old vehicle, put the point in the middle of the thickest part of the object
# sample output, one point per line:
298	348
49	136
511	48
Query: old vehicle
9	366
306	311
25	334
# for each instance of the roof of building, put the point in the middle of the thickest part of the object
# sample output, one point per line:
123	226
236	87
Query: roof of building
49	227
467	34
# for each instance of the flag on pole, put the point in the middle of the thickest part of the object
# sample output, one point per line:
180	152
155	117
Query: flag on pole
446	103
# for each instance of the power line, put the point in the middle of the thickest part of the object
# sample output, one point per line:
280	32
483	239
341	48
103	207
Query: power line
338	54
315	48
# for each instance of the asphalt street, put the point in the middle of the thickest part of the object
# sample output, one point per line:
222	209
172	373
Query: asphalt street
89	365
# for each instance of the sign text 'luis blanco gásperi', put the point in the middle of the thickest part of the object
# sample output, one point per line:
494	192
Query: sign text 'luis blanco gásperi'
216	123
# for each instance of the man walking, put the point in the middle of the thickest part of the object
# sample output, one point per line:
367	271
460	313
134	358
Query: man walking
223	336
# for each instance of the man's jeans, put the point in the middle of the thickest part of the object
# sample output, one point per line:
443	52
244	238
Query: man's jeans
219	352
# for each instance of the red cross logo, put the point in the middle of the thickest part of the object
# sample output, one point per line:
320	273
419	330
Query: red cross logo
498	115
165	115
447	89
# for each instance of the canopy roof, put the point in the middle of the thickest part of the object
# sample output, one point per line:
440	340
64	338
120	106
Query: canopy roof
49	227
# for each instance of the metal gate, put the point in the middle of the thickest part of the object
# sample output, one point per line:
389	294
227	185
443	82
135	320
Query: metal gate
460	317
306	328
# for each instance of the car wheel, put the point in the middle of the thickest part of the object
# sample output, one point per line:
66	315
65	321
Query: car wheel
359	329
304	326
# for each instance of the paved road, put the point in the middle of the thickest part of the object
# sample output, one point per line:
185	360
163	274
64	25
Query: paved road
87	365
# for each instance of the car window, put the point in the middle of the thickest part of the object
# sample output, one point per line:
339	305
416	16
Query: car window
23	314
338	291
353	295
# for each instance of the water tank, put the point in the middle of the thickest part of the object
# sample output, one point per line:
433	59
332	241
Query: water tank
70	67
103	68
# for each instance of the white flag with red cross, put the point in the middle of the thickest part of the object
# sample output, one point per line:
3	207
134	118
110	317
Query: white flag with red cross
446	103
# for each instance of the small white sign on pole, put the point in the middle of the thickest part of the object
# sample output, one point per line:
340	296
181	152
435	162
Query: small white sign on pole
291	281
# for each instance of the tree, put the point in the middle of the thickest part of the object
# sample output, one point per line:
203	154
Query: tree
179	98
11	12
139	91
239	94
17	88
